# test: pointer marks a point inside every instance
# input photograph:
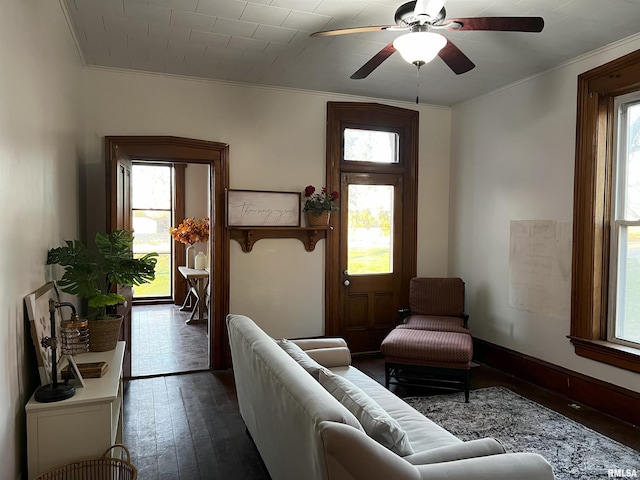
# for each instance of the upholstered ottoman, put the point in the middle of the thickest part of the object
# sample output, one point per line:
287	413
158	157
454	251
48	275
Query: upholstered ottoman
413	356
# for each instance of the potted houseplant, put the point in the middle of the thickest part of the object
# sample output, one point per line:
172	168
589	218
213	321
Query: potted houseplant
92	275
318	205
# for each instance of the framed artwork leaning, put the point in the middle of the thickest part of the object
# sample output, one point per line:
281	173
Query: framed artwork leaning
37	305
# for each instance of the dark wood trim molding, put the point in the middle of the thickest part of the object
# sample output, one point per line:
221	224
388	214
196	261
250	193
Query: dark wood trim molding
370	115
179	256
594	165
187	150
605	397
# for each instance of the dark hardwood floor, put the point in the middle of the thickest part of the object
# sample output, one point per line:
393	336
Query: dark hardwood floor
162	342
188	426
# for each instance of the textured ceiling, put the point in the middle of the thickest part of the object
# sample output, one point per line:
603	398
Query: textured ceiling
267	42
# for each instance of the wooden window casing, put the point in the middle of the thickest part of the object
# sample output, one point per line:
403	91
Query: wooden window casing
593	194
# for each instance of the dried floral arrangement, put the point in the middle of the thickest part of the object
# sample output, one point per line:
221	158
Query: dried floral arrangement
191	231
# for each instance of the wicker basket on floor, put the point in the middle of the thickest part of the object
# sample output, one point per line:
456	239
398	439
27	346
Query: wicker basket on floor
103	468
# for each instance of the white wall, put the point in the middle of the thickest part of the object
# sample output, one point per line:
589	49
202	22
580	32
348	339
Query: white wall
277	142
40	77
196	197
512	159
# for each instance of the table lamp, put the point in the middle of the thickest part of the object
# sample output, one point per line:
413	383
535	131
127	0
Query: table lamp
55	391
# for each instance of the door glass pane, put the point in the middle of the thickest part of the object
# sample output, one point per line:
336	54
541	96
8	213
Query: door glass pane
151	229
628	315
151	187
370	221
370	146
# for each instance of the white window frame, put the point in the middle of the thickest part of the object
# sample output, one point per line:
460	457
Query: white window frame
619	218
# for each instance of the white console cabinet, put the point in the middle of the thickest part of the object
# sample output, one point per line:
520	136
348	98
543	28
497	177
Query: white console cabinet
81	427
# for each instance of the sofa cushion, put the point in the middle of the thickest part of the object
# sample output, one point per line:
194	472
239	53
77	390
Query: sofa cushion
304	360
377	423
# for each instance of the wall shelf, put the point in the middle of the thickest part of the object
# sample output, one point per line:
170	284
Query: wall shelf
248	236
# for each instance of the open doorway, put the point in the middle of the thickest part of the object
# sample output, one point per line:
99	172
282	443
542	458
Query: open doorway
120	154
169	331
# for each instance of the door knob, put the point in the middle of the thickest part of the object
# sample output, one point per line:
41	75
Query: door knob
347	283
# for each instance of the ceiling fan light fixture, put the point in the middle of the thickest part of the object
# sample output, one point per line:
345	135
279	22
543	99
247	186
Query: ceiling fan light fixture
419	48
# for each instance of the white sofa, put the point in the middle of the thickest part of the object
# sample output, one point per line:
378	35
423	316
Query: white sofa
304	433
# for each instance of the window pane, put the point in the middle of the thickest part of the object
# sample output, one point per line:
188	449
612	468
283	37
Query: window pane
151	187
161	286
370	229
151	231
151	234
628	314
632	174
370	146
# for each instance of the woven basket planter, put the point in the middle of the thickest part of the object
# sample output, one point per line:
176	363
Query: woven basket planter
104	333
321	220
105	467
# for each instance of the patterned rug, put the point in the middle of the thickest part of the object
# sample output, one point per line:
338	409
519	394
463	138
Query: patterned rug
521	425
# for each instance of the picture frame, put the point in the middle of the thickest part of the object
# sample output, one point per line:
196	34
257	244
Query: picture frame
263	208
37	307
74	371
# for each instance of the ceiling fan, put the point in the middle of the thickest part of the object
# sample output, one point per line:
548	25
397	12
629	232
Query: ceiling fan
421	44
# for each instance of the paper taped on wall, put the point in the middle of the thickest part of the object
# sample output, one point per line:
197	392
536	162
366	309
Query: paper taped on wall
540	267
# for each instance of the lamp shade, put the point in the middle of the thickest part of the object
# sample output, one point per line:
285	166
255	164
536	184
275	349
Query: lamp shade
419	47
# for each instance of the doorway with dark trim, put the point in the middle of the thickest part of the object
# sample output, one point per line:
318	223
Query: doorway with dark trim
120	152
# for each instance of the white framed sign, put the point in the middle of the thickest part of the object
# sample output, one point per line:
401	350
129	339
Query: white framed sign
257	208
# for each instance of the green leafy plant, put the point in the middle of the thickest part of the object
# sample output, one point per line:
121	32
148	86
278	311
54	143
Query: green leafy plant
92	275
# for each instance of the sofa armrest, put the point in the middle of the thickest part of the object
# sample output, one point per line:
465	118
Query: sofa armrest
351	454
328	352
473	448
331	357
315	343
523	466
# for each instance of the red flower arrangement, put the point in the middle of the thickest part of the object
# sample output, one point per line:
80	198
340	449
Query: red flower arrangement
319	202
191	231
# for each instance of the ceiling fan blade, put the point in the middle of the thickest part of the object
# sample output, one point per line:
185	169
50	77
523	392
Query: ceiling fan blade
374	63
455	59
497	24
344	31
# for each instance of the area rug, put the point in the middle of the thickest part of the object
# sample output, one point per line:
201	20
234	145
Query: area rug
521	425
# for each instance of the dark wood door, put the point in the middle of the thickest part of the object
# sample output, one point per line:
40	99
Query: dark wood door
123	220
370	257
371	252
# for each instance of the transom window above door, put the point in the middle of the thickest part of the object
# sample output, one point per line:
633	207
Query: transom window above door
375	146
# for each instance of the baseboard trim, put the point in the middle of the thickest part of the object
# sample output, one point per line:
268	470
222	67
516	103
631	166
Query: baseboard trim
605	397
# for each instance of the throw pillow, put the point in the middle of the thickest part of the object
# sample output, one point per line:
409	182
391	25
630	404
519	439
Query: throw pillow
304	360
377	423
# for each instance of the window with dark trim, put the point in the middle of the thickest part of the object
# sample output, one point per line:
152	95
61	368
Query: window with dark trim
594	195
